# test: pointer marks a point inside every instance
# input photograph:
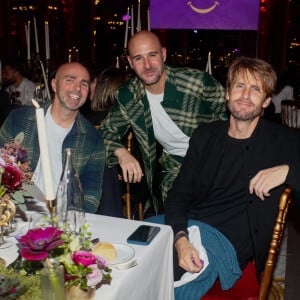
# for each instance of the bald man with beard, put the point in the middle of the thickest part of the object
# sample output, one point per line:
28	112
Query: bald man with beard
163	105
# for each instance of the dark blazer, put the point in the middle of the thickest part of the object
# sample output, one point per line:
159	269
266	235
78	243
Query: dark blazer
270	145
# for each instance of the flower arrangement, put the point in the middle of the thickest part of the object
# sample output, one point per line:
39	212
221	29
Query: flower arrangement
85	269
15	172
81	267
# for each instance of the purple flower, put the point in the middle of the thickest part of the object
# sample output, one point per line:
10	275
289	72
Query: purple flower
84	257
94	277
101	261
12	177
37	242
21	155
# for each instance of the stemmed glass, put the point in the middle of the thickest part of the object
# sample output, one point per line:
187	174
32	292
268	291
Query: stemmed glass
7	212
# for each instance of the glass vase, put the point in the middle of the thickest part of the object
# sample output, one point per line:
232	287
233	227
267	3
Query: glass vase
70	200
52	280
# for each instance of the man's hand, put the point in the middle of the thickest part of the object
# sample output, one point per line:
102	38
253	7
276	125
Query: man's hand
267	179
131	169
188	257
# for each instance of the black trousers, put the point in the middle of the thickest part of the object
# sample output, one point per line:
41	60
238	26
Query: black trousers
111	202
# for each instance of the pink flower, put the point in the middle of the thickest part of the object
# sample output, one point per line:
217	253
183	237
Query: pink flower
37	242
94	277
84	257
12	177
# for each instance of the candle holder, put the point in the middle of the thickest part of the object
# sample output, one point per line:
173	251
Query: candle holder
7	212
51	205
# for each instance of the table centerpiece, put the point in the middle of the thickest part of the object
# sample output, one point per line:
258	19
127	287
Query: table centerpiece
84	271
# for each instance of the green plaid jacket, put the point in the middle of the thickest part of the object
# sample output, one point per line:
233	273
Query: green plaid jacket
84	139
190	97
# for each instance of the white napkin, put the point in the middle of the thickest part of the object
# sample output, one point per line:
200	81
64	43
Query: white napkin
195	239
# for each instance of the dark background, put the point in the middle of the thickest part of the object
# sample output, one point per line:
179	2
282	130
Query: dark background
94	31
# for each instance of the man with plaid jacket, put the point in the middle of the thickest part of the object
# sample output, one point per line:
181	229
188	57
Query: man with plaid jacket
163	104
66	128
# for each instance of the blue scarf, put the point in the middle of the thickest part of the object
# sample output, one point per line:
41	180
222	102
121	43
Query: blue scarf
222	258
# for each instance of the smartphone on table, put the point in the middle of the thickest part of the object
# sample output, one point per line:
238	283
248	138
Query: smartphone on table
143	235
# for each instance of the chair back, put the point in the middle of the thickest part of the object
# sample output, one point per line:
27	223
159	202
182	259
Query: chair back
290	113
127	195
278	229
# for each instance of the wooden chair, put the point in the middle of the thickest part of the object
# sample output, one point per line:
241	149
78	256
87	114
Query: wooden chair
127	196
247	287
290	113
278	229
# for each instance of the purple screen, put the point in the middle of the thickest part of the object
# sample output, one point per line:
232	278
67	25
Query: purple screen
204	14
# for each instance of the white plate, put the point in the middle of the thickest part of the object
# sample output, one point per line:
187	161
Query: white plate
124	252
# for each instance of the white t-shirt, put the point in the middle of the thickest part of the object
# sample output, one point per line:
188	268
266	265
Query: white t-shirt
26	90
55	138
166	132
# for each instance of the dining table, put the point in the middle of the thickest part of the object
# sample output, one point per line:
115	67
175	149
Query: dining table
147	271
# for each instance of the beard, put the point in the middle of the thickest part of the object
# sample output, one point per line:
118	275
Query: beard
69	106
243	114
153	79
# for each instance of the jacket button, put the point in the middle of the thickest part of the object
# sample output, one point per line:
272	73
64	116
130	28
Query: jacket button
249	175
255	230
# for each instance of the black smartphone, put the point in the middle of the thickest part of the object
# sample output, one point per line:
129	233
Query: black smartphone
143	235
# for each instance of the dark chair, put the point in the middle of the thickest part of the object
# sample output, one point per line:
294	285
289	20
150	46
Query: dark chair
290	113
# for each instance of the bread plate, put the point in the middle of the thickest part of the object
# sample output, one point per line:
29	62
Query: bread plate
124	254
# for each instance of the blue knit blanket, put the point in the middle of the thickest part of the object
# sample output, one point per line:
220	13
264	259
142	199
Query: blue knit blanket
223	264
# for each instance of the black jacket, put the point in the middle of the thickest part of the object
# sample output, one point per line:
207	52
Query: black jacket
270	145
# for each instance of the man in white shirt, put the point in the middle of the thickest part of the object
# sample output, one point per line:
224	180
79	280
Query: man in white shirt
20	89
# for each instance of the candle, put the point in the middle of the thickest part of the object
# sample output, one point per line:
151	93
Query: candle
45	81
27	34
47	44
208	64
139	17
36	36
69	55
126	29
132	21
77	54
117	63
44	152
28	45
148	19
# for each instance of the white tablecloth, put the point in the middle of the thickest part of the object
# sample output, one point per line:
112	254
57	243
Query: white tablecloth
151	279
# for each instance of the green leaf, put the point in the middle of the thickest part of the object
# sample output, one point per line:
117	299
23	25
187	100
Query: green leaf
22	207
75	244
19	138
18	197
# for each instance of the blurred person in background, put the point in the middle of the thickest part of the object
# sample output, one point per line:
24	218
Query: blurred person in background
19	88
285	89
